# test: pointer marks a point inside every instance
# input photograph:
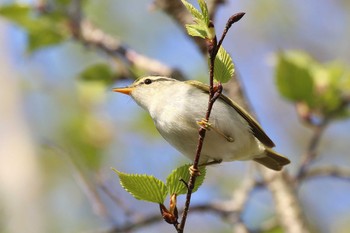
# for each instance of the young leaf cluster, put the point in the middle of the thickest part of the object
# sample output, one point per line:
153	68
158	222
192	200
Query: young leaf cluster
100	72
149	188
323	88
202	27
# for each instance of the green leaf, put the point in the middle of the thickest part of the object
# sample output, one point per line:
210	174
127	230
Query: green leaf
43	38
17	13
196	30
205	12
331	88
201	27
223	67
14	12
143	187
196	14
176	186
293	77
98	72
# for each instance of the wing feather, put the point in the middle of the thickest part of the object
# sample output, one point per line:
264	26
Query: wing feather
254	125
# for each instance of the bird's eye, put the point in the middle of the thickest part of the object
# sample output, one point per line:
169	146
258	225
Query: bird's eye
148	81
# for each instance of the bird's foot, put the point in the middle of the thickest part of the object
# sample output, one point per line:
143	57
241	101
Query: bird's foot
194	171
203	123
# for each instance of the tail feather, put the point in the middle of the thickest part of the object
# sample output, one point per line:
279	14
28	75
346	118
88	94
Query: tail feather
273	160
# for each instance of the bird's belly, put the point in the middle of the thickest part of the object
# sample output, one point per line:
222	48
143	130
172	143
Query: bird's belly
243	146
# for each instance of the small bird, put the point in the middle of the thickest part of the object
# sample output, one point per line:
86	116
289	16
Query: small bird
177	109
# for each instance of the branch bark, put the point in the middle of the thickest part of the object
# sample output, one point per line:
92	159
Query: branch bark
96	38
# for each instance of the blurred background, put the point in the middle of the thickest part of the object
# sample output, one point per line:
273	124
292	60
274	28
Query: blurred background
60	135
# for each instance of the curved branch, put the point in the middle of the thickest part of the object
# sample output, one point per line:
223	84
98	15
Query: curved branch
332	171
219	209
311	151
94	37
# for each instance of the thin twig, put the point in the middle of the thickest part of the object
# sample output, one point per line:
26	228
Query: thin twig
99	208
222	209
127	211
214	94
311	151
330	171
233	19
202	133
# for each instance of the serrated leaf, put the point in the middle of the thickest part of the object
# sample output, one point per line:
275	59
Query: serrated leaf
175	186
205	12
196	30
196	14
294	79
223	67
143	187
98	72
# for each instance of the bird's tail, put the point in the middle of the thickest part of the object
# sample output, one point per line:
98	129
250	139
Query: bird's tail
273	160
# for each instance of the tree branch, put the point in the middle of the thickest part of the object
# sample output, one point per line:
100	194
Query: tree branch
311	151
226	210
96	38
331	171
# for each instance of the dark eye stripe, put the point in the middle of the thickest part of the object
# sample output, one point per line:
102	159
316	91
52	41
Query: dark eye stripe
148	81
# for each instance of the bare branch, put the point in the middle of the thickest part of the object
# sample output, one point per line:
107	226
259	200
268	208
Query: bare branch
118	201
311	151
334	171
96	38
98	206
288	207
223	209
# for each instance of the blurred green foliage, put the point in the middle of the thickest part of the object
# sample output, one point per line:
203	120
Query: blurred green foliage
43	30
324	88
100	72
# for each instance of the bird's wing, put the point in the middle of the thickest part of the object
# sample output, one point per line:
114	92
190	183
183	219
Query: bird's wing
254	125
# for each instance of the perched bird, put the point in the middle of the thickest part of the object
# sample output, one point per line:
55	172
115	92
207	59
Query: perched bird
177	109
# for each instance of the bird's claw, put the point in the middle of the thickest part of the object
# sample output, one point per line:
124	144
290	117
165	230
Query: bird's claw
204	124
194	171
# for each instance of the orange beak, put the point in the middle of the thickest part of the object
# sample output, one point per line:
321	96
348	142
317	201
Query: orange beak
124	90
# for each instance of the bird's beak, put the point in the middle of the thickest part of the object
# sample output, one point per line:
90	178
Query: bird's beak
124	90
